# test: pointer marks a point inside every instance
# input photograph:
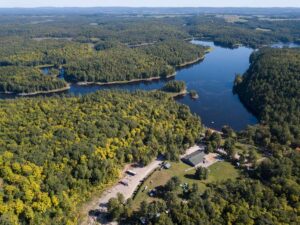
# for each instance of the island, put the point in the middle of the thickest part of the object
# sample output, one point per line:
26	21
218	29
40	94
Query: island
194	94
175	88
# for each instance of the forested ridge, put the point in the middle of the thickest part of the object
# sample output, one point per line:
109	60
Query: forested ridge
54	151
271	88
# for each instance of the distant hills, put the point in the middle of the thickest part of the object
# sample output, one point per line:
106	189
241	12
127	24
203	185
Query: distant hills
151	10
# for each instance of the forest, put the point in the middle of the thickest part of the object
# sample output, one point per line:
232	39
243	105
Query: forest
120	63
175	86
101	48
19	79
54	151
253	31
176	53
117	64
103	61
270	88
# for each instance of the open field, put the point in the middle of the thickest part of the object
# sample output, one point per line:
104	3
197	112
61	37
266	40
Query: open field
218	172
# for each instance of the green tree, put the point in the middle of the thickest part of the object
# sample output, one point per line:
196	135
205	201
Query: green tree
201	173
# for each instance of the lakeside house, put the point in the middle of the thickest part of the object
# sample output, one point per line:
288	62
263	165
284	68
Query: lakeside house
195	158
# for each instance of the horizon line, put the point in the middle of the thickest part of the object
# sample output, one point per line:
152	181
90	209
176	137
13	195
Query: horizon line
195	7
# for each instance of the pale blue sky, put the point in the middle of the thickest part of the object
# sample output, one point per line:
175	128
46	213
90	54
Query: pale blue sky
149	3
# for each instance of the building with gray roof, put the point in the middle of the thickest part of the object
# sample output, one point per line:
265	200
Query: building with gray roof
195	158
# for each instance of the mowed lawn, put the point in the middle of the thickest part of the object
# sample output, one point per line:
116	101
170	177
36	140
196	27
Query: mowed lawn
219	171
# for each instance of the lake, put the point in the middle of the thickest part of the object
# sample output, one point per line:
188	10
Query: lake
212	79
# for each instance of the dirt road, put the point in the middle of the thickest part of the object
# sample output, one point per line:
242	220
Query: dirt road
99	207
132	184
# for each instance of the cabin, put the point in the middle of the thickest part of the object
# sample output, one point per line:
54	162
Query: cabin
195	158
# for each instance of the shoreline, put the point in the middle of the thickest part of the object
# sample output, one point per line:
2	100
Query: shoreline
191	62
115	82
44	92
146	79
126	81
176	94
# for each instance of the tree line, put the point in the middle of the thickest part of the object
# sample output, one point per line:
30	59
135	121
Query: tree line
270	88
55	150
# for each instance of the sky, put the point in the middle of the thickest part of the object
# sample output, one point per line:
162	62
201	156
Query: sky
150	3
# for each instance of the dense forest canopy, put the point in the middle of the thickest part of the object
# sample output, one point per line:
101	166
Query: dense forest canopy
271	88
21	79
175	53
54	151
229	29
124	63
24	52
117	64
104	61
102	48
174	86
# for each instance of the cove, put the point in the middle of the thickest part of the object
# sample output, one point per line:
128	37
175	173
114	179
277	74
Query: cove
212	78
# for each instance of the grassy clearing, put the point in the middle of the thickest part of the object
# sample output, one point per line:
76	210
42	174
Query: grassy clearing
240	148
218	172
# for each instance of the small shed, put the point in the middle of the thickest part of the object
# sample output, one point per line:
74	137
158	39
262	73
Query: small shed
195	158
167	165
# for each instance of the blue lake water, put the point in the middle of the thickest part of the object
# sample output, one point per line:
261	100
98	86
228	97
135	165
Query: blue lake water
212	79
